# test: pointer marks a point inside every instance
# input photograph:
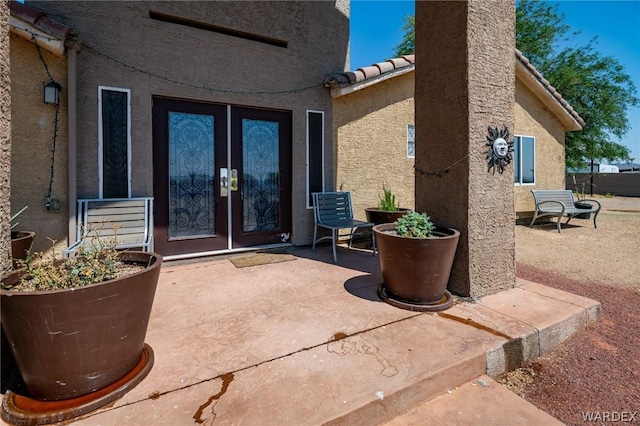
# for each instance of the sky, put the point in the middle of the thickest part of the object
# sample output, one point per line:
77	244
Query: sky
376	29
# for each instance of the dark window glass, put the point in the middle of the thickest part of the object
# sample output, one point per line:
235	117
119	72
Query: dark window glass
316	130
114	145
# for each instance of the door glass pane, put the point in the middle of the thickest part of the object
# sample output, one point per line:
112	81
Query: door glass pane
191	175
261	175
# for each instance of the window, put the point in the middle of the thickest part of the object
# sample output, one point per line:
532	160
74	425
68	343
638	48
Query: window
315	154
114	142
524	156
411	141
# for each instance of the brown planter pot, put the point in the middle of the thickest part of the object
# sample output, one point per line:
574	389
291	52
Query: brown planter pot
379	217
21	242
416	270
73	342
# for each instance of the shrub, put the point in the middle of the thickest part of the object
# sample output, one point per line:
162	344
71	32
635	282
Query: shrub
387	201
414	224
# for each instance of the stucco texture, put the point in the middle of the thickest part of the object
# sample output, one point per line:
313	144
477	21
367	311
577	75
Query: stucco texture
533	119
214	67
32	143
371	130
5	139
465	81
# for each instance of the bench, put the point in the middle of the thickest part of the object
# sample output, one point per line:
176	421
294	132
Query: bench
129	220
334	211
560	203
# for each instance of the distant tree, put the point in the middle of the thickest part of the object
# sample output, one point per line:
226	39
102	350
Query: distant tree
408	44
595	85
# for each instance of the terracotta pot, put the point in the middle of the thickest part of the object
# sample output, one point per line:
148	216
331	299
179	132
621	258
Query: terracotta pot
21	242
379	217
72	342
416	270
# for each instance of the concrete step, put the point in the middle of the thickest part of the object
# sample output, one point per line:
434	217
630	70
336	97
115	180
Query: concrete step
479	402
377	374
308	342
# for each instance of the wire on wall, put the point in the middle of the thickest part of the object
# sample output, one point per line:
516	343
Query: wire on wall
439	173
48	196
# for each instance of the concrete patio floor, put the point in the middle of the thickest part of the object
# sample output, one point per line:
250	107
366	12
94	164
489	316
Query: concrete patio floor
306	342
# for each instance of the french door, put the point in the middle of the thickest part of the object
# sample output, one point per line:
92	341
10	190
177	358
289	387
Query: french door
222	177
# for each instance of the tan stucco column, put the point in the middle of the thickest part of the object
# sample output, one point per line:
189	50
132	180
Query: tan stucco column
465	82
5	139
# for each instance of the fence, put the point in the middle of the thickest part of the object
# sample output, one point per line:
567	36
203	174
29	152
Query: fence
621	184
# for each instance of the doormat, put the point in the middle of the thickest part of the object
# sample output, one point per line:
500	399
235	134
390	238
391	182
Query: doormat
260	259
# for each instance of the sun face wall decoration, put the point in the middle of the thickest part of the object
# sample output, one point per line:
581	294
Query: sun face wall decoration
500	149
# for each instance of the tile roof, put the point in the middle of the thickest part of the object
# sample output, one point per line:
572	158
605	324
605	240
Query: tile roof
548	87
361	74
391	67
39	20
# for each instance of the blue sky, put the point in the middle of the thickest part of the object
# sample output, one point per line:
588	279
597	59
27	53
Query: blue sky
376	29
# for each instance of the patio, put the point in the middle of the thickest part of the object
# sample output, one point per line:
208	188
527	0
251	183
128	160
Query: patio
305	341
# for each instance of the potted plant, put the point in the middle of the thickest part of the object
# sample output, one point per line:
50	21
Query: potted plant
388	210
76	328
416	259
21	241
581	203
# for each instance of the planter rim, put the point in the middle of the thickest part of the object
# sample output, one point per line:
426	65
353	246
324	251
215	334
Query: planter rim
12	293
377	209
452	233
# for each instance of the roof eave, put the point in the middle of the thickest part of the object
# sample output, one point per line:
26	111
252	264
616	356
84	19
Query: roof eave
341	91
45	40
535	85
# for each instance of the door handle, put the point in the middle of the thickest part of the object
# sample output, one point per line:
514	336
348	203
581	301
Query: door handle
234	180
224	182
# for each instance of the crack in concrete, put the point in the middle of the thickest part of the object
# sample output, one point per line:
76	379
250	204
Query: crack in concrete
226	381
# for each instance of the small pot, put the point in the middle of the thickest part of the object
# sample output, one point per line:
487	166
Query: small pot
378	216
21	242
586	206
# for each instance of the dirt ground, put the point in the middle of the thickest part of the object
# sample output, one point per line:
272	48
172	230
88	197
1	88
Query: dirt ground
608	255
594	377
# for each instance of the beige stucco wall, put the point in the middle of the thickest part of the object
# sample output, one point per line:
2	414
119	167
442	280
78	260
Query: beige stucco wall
5	138
533	119
371	130
238	72
32	140
371	133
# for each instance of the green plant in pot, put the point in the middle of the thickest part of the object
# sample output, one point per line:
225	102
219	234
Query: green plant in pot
21	241
416	259
388	210
77	330
583	201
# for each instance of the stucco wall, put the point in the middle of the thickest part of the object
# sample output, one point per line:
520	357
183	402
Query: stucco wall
465	81
371	130
32	142
371	133
224	69
5	138
533	119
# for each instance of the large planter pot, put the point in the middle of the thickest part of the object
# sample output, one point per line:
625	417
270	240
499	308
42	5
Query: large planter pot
21	242
72	342
416	271
378	216
585	206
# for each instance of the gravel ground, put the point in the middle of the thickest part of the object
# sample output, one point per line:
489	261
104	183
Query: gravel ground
594	377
